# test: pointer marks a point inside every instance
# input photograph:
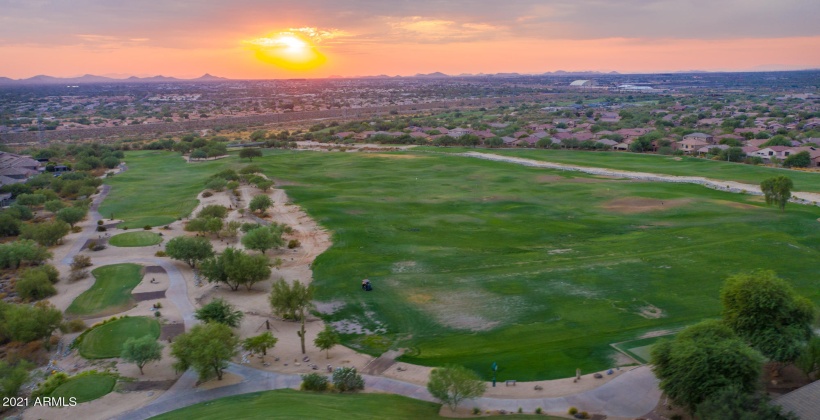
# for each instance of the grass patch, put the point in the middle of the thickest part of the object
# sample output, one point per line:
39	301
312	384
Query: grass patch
86	387
668	165
290	404
111	292
475	261
641	349
135	239
106	340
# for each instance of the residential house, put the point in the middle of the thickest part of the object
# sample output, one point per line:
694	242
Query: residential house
15	169
705	150
772	152
708	138
804	402
691	145
458	132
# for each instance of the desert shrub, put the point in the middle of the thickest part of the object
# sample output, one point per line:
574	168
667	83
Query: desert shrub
77	275
216	184
314	382
146	227
48	270
101	229
347	379
157	314
538	410
52	383
572	411
99	222
476	411
13	254
213	210
160	253
584	415
207	194
294	243
34	285
520	410
97	246
76	229
80	261
75	325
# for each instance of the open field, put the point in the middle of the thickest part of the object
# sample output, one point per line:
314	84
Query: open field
667	165
164	180
290	404
86	387
105	341
476	261
134	239
111	292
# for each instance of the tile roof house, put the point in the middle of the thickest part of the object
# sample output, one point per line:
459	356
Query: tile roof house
804	402
15	168
700	136
690	145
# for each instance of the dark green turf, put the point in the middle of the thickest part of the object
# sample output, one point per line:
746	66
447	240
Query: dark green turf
111	291
135	239
106	341
85	387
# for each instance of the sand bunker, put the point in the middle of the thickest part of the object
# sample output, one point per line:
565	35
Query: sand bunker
641	205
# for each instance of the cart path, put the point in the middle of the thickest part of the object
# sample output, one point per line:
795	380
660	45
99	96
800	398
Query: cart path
799	197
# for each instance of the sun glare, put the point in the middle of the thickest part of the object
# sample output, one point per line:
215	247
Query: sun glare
287	50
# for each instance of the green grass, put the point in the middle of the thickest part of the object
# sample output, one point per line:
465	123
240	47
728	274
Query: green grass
641	349
290	404
86	387
106	340
668	165
111	292
134	239
475	262
164	180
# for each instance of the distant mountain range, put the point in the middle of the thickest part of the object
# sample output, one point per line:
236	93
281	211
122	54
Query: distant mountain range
90	78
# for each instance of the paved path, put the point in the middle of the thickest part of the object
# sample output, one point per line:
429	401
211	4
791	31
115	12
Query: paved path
799	197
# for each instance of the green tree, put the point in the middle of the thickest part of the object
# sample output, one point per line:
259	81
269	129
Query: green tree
207	348
46	234
235	268
258	135
189	249
263	184
54	205
260	203
260	343
30	200
140	351
71	215
798	160
12	378
13	254
809	359
766	312
292	301
347	379
250	153
703	359
777	190
213	210
27	323
453	384
326	340
34	285
733	403
219	311
199	154
9	225
263	239
214	225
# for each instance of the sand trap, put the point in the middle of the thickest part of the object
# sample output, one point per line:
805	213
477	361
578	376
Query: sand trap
641	205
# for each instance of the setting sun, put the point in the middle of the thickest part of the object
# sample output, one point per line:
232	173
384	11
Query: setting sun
287	50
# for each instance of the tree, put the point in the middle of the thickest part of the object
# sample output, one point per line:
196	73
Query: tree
264	184
213	210
71	215
326	340
234	268
250	153
777	190
260	203
9	225
260	343
733	403
46	234
207	348
703	359
22	251
809	359
766	312
191	250
798	160
213	225
12	378
219	311
347	379
140	351
54	205
263	239
26	323
292	301
199	154
35	285
453	384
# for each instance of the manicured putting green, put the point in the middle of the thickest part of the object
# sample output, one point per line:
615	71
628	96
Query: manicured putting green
135	239
106	341
86	387
111	291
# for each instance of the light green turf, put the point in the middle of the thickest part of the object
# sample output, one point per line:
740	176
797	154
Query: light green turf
475	262
86	387
111	292
668	165
106	341
135	239
297	405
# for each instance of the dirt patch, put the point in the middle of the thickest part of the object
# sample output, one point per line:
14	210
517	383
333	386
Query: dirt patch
419	298
651	312
383	155
169	331
145	385
641	205
155	269
404	266
227	379
139	297
329	307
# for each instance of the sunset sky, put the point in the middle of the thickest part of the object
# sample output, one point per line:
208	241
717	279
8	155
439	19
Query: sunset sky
260	39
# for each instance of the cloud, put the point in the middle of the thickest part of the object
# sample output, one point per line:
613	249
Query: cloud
431	30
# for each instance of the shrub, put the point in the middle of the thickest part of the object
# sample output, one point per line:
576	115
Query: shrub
34	285
572	411
75	325
77	275
125	228
520	410
52	383
157	314
347	379
49	270
97	246
99	222
294	243
476	411
160	253
80	262
147	227
584	415
538	410
76	229
314	382
101	228
213	210
207	194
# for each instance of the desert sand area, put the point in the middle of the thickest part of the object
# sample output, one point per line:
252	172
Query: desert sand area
174	286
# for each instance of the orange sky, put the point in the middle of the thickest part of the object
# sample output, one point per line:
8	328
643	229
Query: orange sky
348	39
